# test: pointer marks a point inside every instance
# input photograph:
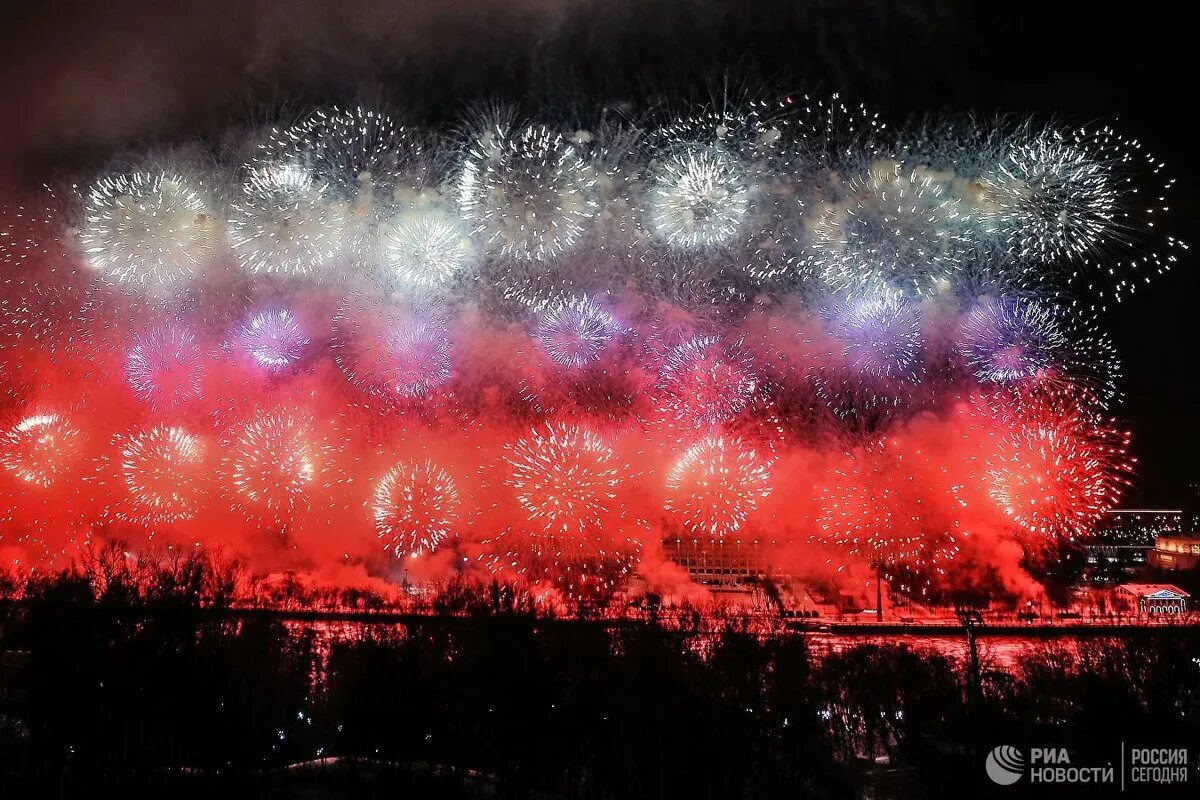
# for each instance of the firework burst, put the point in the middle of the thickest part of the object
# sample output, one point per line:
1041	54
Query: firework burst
1057	466
40	448
565	478
1013	341
272	464
148	230
163	469
529	194
416	505
896	231
889	504
164	367
716	485
1050	199
285	223
426	248
392	349
272	339
698	198
706	381
574	333
879	335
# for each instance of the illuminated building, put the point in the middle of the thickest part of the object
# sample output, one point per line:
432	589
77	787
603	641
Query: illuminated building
1153	598
1176	551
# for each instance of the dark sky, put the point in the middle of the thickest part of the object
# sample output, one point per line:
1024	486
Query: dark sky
79	80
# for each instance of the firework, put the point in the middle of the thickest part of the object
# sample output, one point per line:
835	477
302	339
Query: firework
1050	199
897	230
887	506
529	194
879	335
565	478
361	157
40	448
272	463
148	230
733	285
1057	466
392	349
164	367
273	339
716	485
574	333
358	152
416	506
706	380
426	248
284	222
1011	341
698	197
162	468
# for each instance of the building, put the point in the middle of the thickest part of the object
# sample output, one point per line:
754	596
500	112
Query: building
1176	551
1152	598
1124	538
728	564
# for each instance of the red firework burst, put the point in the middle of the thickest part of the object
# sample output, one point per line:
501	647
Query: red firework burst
716	484
1057	465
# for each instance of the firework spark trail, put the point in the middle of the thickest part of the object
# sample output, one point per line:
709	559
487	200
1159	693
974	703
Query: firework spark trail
581	341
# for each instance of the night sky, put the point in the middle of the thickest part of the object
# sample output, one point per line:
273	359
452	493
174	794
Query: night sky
83	80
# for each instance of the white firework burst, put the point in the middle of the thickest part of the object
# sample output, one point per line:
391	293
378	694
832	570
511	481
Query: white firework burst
284	222
897	230
146	230
426	248
1051	199
698	197
565	478
528	194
